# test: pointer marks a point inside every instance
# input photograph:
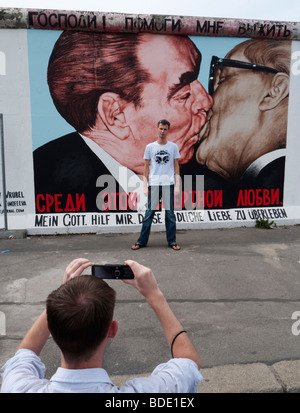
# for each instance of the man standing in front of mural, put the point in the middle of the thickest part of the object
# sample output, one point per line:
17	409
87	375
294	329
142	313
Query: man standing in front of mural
244	137
162	172
112	88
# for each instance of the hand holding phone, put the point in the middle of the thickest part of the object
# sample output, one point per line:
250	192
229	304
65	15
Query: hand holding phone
113	272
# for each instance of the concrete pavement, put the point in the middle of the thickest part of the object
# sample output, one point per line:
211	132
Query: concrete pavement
236	292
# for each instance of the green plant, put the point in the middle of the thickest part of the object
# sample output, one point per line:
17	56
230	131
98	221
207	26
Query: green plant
264	223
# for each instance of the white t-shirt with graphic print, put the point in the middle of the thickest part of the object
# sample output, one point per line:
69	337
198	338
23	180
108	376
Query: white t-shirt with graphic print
161	162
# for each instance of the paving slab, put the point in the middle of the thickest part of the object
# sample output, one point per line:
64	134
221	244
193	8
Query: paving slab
236	291
288	373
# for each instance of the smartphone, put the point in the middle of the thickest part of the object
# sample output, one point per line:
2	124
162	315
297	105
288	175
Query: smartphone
113	272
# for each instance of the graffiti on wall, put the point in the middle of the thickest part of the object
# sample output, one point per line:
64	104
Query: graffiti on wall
76	135
159	24
112	89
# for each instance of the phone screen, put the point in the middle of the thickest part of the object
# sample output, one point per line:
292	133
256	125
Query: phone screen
112	271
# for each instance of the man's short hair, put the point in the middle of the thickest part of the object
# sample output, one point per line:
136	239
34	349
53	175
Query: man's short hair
79	314
164	122
84	65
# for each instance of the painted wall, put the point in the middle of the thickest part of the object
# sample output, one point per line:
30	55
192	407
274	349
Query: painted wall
74	143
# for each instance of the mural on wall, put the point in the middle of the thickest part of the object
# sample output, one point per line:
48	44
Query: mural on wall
113	88
83	107
244	138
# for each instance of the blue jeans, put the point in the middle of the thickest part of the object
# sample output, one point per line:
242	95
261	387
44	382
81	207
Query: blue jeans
155	194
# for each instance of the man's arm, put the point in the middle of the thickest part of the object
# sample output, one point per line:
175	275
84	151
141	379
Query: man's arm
146	284
38	334
177	177
146	175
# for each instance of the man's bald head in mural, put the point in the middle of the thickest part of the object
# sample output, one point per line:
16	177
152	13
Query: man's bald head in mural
112	88
249	114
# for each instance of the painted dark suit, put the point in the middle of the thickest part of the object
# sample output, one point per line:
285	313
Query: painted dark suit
67	166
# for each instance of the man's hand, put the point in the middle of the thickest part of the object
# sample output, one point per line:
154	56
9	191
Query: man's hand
76	268
144	280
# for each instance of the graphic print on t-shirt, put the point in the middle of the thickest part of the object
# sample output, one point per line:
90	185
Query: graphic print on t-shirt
162	157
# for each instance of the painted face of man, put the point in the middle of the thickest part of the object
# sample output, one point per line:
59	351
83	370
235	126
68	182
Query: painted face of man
233	136
173	93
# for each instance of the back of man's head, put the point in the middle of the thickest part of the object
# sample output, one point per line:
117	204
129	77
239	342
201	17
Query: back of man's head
79	314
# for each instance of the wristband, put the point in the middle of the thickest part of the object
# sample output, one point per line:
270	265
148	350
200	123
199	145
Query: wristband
178	334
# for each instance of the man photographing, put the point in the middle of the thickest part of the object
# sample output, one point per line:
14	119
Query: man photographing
79	315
